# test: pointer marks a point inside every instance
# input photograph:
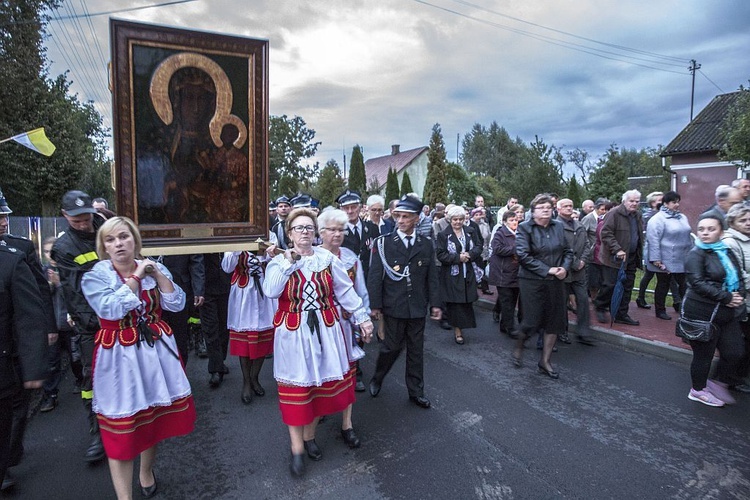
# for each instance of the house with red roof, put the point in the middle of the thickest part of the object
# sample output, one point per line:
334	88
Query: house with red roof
413	161
696	165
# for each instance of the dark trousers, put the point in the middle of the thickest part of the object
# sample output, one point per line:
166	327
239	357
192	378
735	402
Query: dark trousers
728	341
6	424
678	291
400	332
664	282
609	281
743	368
179	323
580	290
508	298
214	327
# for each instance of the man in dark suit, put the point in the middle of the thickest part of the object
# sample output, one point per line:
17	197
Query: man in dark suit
23	349
188	273
214	317
283	207
402	283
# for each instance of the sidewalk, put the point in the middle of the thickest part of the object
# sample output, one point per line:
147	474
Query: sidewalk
653	336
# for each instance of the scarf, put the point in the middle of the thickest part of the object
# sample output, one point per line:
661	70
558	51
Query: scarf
671	214
731	280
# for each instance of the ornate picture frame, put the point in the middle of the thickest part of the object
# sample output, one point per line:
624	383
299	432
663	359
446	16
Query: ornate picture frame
190	136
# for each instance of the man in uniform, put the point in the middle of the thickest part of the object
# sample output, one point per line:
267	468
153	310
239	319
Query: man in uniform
75	254
23	348
213	313
402	282
25	249
283	207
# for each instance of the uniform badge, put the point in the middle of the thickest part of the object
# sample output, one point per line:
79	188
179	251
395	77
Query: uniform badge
396	268
419	262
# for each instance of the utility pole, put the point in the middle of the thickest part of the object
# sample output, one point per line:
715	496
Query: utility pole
694	66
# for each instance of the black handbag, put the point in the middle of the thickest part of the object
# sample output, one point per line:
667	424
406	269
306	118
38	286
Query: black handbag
695	329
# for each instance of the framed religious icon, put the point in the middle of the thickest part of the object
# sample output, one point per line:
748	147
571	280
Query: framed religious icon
190	136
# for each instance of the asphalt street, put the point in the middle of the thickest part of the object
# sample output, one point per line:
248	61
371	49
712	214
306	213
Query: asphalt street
617	424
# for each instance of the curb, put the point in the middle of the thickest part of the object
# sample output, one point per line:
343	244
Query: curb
629	342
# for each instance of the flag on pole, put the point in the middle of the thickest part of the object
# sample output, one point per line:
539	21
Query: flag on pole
36	140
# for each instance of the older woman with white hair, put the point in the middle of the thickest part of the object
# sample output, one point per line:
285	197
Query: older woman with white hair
375	211
457	251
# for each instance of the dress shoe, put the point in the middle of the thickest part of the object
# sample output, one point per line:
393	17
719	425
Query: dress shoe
642	304
627	320
601	316
550	373
297	465
247	396
216	379
586	340
49	403
374	387
350	438
225	370
564	338
8	482
313	451
420	401
149	491
663	315
95	451
257	388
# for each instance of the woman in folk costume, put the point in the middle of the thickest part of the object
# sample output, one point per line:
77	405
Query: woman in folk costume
141	393
249	319
331	225
311	361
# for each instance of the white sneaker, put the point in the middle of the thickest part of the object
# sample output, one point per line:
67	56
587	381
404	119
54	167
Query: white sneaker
705	397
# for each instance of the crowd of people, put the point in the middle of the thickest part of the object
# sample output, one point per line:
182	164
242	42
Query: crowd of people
330	280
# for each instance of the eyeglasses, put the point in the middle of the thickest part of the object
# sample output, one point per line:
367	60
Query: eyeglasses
303	229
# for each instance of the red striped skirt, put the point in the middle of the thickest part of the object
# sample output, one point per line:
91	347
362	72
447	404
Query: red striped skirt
300	405
250	344
125	438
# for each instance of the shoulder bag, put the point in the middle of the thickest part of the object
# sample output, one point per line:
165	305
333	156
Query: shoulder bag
694	329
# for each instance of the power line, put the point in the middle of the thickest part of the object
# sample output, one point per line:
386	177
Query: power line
712	82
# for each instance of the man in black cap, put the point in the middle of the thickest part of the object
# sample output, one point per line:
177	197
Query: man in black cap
23	363
283	207
402	283
75	254
24	248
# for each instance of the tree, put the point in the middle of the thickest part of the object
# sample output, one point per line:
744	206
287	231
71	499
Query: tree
581	159
406	184
289	143
436	186
491	151
330	184
357	177
391	186
610	179
287	185
575	192
462	187
737	129
30	99
542	172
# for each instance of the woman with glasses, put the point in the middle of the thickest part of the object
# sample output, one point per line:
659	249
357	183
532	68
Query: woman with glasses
544	257
311	361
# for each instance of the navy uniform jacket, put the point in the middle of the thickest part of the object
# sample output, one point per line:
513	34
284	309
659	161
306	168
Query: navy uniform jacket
188	272
361	246
396	298
23	339
26	246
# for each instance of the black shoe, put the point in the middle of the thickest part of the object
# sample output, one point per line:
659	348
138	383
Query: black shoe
663	315
95	451
601	316
48	404
216	379
200	349
496	316
257	388
564	338
297	465
360	386
225	370
641	303
374	387
627	320
8	482
313	451
586	340
743	388
149	491
445	325
350	438
550	373
420	401
247	395
676	306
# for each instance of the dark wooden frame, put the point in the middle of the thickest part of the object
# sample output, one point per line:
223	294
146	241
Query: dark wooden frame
211	235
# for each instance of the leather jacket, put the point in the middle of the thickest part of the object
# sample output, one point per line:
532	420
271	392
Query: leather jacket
540	248
705	277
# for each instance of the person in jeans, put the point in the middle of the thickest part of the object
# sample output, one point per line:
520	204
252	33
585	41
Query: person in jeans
714	283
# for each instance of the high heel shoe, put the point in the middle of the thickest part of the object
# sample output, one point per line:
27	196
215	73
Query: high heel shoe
550	373
149	491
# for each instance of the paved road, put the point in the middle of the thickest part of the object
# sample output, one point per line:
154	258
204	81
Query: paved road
617	424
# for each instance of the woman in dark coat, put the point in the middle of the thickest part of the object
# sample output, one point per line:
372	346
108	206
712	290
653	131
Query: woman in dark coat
504	272
457	250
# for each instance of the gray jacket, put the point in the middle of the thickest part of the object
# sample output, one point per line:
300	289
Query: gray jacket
578	241
669	241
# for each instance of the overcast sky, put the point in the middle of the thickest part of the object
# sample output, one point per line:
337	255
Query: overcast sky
382	72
